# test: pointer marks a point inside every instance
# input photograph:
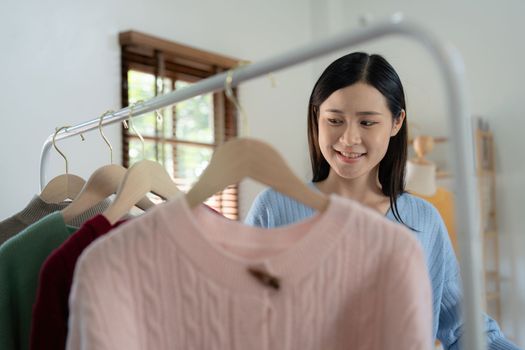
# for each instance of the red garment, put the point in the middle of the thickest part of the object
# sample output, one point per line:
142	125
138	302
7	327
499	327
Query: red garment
51	309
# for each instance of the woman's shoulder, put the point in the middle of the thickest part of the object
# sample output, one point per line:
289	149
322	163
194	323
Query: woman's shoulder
273	209
270	196
417	213
428	226
275	199
417	205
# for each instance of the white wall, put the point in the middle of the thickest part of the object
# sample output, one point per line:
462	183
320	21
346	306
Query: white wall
61	65
489	37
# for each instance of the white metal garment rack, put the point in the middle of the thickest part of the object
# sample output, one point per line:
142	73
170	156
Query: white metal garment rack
451	66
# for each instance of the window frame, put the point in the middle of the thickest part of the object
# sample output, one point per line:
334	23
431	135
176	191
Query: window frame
167	59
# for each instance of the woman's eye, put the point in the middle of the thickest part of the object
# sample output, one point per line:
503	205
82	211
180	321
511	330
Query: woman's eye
332	121
368	123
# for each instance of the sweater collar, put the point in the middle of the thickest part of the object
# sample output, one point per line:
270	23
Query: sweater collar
299	248
37	208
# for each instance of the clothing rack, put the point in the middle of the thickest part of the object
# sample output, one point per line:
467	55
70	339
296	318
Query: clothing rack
451	66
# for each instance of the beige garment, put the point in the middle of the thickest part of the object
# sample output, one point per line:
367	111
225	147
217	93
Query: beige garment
36	209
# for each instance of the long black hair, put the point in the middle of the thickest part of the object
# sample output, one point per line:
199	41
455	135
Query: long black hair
373	70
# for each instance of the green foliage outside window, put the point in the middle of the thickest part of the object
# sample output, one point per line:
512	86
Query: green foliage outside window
194	122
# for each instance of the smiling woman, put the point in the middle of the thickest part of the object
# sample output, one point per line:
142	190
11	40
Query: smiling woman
357	133
363	94
355	125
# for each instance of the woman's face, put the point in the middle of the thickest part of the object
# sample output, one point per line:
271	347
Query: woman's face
355	126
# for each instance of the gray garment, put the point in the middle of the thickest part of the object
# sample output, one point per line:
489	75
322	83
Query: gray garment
37	209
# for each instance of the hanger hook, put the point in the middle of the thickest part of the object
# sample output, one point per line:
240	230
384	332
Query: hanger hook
229	94
57	130
104	136
132	127
159	116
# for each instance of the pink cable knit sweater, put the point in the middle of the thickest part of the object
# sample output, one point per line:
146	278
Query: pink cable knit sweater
177	278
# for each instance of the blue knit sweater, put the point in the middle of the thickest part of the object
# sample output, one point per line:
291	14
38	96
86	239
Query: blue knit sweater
272	209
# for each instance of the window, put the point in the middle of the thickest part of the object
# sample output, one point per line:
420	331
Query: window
181	137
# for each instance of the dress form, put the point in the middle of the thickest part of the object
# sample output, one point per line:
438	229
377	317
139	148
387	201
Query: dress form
420	172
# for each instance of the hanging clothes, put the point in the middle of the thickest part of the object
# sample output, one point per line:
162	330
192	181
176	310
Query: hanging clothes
181	278
35	210
21	258
51	310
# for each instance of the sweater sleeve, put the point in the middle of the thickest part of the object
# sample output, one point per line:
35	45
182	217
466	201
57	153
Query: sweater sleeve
450	328
49	321
7	314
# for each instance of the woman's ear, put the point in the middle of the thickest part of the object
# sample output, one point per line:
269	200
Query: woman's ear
398	123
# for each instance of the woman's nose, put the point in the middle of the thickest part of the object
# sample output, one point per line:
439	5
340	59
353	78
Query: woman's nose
350	136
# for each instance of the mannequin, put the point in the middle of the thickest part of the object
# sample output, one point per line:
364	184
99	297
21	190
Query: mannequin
421	182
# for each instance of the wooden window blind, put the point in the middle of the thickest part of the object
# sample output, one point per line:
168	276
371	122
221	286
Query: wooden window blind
181	137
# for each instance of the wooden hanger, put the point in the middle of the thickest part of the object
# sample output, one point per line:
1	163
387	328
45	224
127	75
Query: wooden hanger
62	187
244	157
141	178
101	184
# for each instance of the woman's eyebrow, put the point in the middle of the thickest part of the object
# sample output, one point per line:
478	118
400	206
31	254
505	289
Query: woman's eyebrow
361	113
368	113
333	110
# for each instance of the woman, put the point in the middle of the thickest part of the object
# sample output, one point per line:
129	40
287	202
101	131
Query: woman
357	136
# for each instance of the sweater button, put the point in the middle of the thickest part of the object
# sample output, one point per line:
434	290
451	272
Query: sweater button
265	278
